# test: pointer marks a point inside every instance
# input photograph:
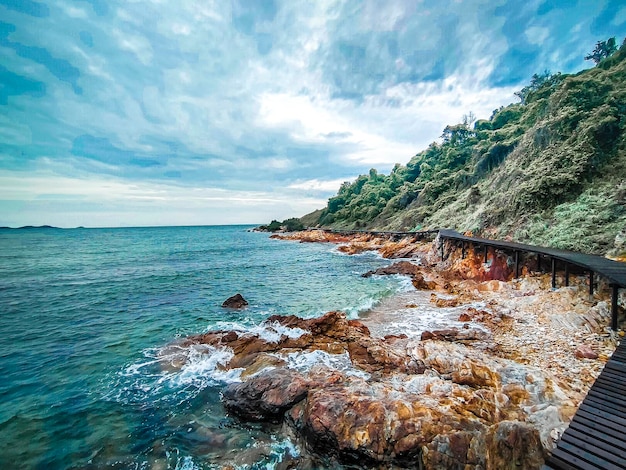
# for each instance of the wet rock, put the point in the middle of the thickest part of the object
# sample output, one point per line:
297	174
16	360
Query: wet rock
584	351
401	267
265	396
236	302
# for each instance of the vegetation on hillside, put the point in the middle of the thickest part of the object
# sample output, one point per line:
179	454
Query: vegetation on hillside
289	225
548	170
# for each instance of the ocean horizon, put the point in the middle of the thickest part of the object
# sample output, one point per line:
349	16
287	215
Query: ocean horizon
88	314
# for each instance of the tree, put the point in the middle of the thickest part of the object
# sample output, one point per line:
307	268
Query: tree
293	225
537	81
603	50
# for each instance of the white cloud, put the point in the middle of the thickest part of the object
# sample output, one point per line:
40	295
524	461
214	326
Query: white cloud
537	35
327	186
67	199
138	45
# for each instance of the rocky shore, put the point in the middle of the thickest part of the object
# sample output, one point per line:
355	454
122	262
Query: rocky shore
492	388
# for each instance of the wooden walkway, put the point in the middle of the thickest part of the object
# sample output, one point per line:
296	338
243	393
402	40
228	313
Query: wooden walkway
595	437
614	271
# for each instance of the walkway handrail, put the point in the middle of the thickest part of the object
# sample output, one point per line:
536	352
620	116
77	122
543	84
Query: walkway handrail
614	271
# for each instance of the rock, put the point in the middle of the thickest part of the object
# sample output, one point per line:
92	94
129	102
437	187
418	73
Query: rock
584	351
401	267
362	425
266	396
420	283
512	445
408	269
457	450
454	334
236	301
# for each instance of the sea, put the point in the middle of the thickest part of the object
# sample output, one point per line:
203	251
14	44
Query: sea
85	315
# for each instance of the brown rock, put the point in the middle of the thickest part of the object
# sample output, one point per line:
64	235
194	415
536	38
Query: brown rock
236	302
454	334
513	445
454	451
365	427
265	396
420	283
584	351
401	267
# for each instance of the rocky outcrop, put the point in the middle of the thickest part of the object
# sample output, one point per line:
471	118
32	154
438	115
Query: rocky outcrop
400	402
235	302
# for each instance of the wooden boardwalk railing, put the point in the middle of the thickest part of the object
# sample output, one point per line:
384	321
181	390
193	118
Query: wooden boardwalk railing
613	271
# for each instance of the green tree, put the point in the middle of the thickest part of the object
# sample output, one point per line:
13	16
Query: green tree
602	50
293	225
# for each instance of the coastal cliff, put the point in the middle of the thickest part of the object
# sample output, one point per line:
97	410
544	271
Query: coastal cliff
549	170
493	388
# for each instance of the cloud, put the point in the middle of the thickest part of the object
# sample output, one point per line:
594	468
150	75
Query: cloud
330	186
277	98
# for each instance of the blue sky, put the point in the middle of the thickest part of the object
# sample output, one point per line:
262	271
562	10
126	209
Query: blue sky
178	112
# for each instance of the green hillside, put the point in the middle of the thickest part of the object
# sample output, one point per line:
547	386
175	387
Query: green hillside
550	170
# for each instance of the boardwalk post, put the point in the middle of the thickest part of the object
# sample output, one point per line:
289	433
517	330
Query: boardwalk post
614	299
516	263
590	282
566	274
442	249
553	262
486	252
462	250
539	262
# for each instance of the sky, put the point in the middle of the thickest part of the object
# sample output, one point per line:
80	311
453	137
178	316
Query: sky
202	112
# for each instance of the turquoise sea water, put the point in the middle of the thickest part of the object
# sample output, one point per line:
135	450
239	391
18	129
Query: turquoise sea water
85	312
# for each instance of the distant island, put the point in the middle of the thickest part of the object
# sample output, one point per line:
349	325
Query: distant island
36	227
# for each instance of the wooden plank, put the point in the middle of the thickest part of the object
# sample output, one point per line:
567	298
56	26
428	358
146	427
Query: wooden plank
610	396
597	457
618	367
615	376
607	383
574	460
606	415
579	439
606	440
591	421
558	463
604	406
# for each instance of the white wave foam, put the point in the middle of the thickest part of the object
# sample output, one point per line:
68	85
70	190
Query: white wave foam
305	361
176	373
270	332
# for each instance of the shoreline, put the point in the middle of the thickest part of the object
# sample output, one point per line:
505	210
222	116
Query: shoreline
479	360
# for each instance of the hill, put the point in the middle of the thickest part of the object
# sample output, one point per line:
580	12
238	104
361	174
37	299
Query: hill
550	170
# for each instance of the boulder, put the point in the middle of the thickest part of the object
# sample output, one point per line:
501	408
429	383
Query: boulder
236	301
401	267
266	396
512	445
584	351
